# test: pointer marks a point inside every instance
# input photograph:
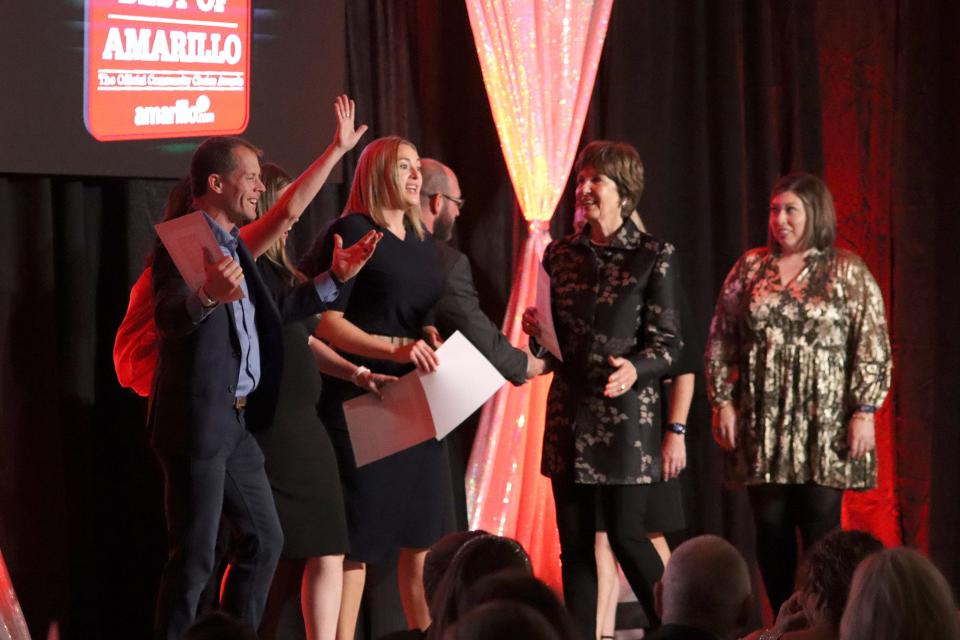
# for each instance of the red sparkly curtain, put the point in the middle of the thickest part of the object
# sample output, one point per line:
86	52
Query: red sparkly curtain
539	61
856	86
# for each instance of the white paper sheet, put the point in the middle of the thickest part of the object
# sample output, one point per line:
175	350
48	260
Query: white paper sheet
464	381
420	406
186	238
381	427
548	334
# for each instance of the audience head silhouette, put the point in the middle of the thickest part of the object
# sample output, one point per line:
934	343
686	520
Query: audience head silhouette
502	619
478	557
897	594
706	585
520	587
827	570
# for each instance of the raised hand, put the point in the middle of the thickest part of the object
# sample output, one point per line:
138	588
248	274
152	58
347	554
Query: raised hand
346	136
224	276
348	262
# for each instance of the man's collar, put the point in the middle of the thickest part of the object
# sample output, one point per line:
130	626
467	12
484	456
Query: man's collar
224	238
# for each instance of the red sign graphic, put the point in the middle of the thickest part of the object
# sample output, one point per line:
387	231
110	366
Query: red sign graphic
166	68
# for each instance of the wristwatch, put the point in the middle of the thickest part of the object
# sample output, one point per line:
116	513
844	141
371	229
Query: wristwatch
205	301
677	427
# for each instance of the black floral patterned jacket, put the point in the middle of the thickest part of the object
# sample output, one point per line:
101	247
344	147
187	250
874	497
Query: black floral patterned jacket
617	299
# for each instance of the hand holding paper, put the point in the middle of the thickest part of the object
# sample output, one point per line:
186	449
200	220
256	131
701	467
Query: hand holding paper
547	334
224	276
191	245
421	405
419	353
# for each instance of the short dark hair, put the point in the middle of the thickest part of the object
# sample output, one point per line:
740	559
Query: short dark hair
620	162
439	557
821	228
503	619
215	155
477	557
827	571
523	588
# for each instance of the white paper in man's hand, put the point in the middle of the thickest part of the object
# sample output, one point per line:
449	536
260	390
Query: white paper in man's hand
186	238
464	381
548	333
380	427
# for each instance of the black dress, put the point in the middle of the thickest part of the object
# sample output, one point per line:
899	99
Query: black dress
403	500
300	461
665	504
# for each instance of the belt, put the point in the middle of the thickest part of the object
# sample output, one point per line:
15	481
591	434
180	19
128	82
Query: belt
400	341
240	402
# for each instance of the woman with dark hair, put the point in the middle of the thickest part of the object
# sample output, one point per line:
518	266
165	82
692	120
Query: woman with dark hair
401	503
478	557
135	346
797	363
522	588
499	619
613	296
665	511
814	610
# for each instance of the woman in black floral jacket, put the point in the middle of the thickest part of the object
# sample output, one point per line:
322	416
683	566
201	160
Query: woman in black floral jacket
613	290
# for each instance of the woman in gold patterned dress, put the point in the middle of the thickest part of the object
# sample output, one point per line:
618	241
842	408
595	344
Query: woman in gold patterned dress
613	297
797	363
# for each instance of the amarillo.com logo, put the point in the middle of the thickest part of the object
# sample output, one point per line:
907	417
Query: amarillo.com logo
180	112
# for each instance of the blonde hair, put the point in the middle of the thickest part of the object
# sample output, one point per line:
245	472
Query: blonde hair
275	179
897	594
376	184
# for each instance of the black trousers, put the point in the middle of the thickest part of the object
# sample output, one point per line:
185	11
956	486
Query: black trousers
779	511
623	508
196	493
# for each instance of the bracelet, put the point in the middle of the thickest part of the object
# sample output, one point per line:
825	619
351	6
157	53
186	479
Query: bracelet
359	371
865	408
677	427
771	634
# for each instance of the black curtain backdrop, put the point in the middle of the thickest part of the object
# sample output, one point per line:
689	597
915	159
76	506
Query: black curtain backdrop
719	97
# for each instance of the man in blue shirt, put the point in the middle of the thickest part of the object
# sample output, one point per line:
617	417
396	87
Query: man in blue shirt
216	380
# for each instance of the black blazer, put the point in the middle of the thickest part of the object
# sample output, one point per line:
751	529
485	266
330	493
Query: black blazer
459	308
191	406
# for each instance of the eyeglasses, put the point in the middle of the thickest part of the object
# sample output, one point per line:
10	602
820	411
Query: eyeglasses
460	202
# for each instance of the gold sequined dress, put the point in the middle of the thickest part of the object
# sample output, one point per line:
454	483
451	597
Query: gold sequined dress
797	359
